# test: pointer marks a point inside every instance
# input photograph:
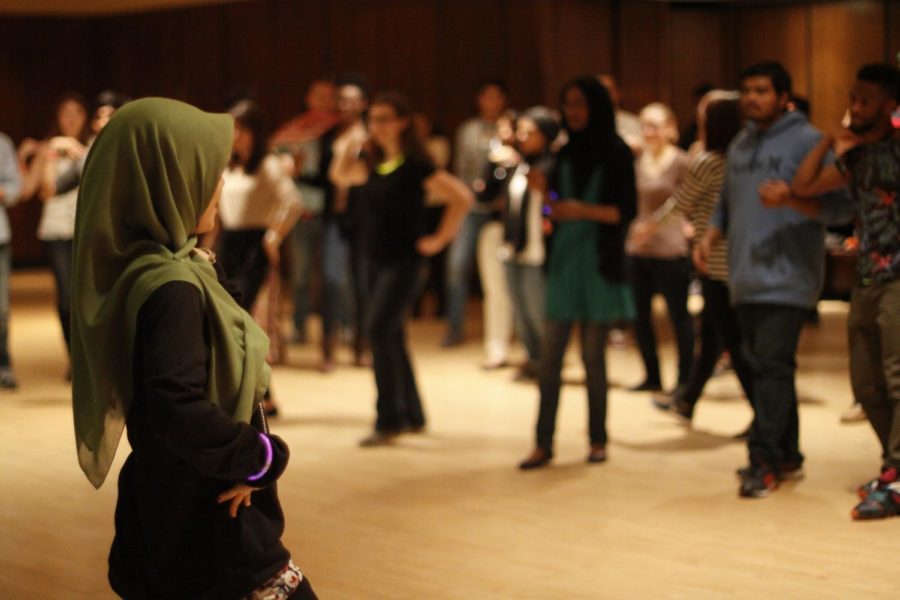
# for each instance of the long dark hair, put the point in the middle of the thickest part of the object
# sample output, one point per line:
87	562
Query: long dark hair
78	99
410	143
597	138
723	121
248	115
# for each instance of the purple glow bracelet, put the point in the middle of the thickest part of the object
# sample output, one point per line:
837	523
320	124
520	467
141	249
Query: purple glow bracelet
268	444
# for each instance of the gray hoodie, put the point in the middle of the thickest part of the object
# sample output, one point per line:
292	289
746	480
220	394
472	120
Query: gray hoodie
775	256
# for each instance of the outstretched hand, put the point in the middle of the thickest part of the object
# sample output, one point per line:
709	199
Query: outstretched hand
238	494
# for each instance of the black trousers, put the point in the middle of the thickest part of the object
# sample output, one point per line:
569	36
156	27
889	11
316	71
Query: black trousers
245	262
718	330
593	346
771	333
671	278
393	287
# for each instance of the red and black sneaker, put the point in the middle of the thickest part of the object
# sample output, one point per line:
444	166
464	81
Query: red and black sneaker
881	503
758	482
888	475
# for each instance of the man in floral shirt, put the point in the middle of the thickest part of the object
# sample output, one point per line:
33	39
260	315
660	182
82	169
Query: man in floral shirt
869	164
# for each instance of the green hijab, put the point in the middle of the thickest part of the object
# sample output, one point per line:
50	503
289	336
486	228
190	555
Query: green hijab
148	178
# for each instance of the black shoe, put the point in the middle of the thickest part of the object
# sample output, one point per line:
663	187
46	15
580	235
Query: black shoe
8	379
683	410
758	481
537	459
788	471
647	386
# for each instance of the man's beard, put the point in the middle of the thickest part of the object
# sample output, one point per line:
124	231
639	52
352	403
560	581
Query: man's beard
862	128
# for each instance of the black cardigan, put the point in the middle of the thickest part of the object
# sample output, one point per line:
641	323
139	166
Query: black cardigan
619	190
172	539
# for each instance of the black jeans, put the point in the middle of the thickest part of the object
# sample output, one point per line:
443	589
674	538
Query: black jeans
771	333
671	278
593	345
60	252
718	330
359	275
392	292
245	262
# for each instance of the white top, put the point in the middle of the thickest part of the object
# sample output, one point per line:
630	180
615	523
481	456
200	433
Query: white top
533	253
260	200
58	217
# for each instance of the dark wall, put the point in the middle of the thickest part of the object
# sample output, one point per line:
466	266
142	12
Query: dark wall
434	50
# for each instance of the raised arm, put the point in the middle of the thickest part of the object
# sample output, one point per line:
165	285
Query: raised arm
813	178
347	168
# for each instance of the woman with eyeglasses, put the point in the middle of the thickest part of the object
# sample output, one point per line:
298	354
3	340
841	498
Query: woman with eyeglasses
395	176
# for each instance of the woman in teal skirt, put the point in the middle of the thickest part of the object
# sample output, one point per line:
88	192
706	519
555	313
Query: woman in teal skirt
592	201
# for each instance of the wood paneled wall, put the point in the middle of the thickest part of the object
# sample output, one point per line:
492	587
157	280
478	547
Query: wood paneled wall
435	50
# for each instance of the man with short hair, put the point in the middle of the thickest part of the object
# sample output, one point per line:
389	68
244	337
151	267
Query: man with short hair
776	263
473	139
870	164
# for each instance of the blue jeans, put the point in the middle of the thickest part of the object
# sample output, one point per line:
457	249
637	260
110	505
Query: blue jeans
770	333
460	260
527	287
306	237
60	253
4	305
335	280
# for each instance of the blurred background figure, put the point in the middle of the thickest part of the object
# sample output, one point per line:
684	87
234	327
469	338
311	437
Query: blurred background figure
473	142
10	189
523	233
659	263
395	175
64	146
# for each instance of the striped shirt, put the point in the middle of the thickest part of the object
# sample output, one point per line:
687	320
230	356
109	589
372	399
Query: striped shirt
696	199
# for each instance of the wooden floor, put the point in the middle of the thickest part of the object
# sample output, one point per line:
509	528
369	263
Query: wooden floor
447	515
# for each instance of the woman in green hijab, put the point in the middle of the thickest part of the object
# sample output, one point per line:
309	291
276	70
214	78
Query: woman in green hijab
159	346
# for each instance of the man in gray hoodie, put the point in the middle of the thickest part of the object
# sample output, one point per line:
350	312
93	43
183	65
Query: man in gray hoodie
776	264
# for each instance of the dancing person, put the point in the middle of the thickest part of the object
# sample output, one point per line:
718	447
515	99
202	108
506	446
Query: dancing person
659	262
259	206
65	146
869	163
775	268
472	144
718	121
395	175
497	310
160	348
592	201
524	251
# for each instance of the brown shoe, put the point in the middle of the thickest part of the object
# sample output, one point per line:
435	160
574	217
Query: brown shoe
378	438
537	459
597	454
